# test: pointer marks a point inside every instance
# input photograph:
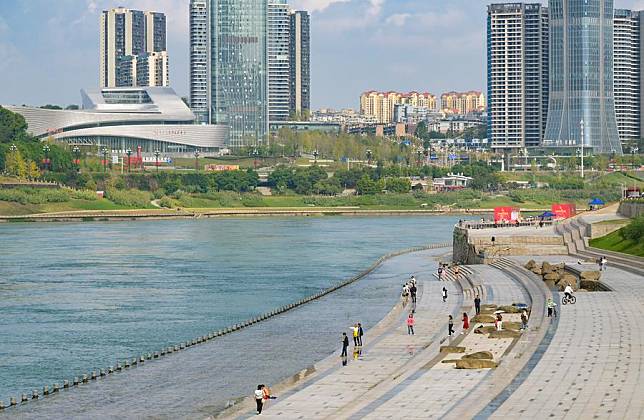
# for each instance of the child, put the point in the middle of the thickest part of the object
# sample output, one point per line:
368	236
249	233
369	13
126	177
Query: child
410	324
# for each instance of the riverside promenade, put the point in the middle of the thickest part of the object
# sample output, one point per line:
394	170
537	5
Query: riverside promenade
588	362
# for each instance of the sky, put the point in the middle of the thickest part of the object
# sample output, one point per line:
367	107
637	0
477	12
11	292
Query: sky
49	48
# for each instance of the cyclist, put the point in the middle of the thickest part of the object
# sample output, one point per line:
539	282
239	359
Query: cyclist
568	292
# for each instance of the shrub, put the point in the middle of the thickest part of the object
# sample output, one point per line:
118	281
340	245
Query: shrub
129	198
84	195
634	231
34	195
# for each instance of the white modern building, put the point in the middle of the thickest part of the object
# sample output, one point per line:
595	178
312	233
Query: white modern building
125	37
118	119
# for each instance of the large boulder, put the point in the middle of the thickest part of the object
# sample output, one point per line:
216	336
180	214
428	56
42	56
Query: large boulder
536	270
483	318
553	275
558	267
452	349
530	264
567	280
504	334
510	325
479	355
590	275
484	329
546	267
475	364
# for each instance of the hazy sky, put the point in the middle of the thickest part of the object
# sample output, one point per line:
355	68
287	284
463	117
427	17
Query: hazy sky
49	48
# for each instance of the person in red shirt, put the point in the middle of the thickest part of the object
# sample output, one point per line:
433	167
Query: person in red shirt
410	324
466	322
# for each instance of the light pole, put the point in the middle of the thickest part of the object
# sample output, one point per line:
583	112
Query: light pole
76	151
581	126
196	161
12	149
128	152
156	156
45	162
105	159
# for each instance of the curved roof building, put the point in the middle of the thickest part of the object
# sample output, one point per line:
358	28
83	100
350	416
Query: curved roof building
153	118
581	76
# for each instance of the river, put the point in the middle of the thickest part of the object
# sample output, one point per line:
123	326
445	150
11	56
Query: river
77	297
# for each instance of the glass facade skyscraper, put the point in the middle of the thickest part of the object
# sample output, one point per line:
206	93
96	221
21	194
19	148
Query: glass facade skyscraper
300	57
238	63
581	76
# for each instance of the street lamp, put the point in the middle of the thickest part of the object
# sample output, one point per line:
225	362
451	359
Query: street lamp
104	159
76	151
128	152
45	161
156	156
196	160
369	154
581	126
13	150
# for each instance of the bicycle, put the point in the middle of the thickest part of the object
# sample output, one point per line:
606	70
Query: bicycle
566	300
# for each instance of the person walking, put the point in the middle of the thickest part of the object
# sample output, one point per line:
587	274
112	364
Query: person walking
412	291
440	271
405	294
477	304
466	322
524	320
345	344
499	322
551	305
450	326
259	398
360	333
444	294
456	270
410	324
356	332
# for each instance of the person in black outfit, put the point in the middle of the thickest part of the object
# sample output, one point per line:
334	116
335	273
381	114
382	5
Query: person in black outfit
477	304
360	333
413	291
450	326
345	344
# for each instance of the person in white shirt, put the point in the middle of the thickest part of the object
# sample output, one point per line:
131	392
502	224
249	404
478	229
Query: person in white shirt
259	398
568	291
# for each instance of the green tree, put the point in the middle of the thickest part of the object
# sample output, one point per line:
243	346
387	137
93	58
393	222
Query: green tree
398	185
368	186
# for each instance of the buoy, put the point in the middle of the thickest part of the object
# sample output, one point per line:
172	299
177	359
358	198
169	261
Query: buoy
1	405
156	354
85	379
24	398
163	351
110	369
65	383
45	390
76	380
94	375
12	401
126	363
101	372
34	394
176	348
149	356
142	359
182	346
56	388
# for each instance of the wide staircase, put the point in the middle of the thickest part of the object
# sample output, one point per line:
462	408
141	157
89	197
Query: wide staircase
576	232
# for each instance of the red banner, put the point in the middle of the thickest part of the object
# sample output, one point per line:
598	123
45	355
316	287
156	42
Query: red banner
506	214
564	210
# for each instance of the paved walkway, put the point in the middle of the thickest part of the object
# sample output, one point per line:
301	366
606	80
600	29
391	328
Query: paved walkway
594	366
398	373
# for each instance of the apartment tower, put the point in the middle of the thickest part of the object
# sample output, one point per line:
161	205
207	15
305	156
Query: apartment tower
300	64
581	76
279	72
517	74
200	60
126	36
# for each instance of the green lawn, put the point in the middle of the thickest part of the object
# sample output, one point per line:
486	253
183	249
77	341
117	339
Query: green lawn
615	242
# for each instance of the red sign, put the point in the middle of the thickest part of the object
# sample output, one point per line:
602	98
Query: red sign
564	210
506	214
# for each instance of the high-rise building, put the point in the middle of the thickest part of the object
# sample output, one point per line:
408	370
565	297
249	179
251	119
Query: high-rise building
517	74
279	73
628	73
300	63
238	69
462	103
581	76
126	34
200	60
381	105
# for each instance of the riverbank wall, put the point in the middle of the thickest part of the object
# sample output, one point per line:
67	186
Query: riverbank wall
631	209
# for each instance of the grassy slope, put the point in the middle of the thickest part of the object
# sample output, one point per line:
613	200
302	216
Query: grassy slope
614	242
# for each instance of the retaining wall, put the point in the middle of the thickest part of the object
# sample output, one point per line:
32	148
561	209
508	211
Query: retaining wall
631	209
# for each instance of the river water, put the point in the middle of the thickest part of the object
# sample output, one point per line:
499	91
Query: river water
78	297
